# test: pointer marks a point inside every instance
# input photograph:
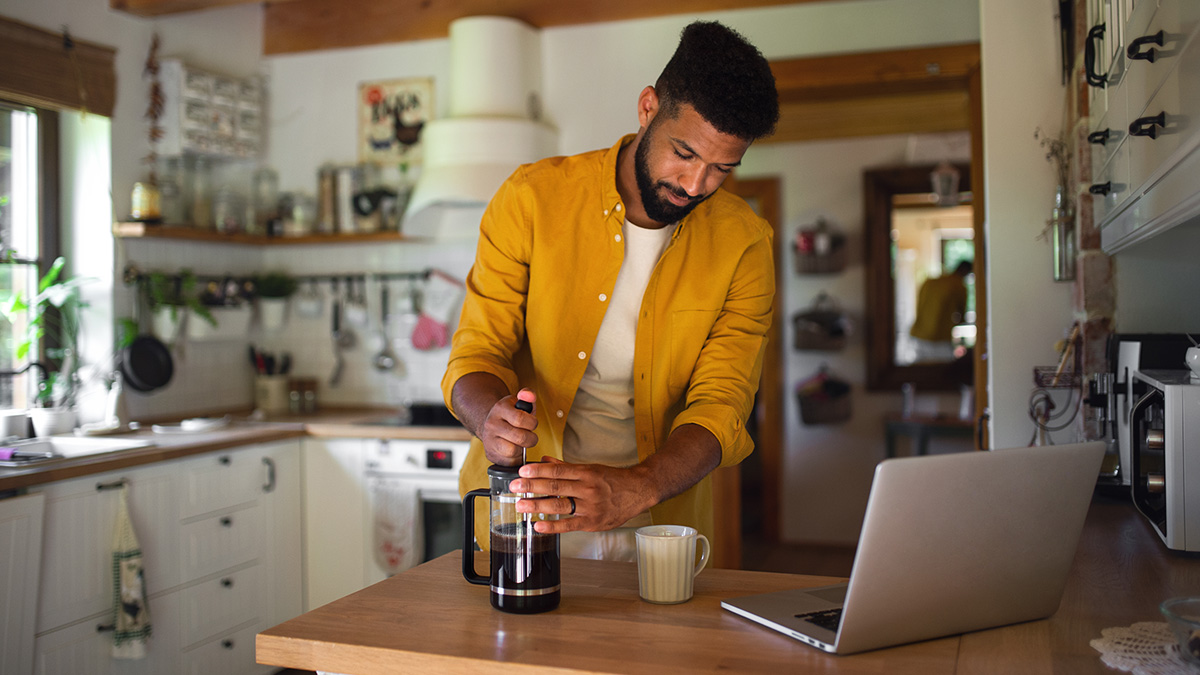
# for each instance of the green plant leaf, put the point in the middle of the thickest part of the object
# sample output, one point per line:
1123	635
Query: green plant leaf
51	275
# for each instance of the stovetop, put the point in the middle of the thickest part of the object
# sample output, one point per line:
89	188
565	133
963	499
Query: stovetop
420	415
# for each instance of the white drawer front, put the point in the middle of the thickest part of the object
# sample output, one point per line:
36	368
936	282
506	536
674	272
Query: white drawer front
221	604
232	653
1111	186
212	544
220	481
1175	106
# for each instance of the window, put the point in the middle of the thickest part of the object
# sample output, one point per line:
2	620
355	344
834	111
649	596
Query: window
28	193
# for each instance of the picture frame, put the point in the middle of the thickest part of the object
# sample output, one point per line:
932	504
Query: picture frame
391	115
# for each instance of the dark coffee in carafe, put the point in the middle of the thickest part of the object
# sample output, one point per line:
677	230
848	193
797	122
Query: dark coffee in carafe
525	577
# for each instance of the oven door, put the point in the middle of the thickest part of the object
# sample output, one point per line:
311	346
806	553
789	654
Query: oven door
1147	446
413	519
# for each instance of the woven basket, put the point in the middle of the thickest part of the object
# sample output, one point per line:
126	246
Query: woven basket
823	409
829	263
820	327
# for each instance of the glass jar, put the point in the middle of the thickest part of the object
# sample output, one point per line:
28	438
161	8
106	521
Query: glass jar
201	193
145	202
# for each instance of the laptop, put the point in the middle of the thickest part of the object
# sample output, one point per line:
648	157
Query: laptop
950	544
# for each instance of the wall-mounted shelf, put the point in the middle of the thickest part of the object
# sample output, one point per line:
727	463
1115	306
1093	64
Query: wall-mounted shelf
136	230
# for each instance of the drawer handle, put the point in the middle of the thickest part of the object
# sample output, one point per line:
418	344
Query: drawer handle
1089	57
106	627
227	583
1135	48
223	460
269	486
1148	126
1101	188
227	644
1099	137
227	522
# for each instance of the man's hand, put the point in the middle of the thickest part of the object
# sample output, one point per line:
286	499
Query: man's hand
507	431
486	409
603	497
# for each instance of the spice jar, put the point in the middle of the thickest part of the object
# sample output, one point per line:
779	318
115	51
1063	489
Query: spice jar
145	202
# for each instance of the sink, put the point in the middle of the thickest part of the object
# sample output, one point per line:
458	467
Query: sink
65	447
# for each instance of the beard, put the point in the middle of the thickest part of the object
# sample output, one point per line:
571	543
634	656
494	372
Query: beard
659	208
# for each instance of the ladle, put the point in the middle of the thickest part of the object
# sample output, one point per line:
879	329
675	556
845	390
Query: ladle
386	359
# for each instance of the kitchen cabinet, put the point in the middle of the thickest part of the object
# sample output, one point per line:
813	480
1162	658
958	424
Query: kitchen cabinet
1145	145
335	513
221	539
20	560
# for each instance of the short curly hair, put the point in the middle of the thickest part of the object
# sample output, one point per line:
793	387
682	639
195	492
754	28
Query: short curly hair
724	77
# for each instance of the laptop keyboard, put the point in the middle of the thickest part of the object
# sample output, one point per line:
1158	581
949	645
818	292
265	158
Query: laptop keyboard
828	619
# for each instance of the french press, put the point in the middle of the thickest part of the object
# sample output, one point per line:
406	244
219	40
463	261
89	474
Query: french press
525	576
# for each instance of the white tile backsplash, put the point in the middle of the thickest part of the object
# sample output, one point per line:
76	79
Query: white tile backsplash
213	376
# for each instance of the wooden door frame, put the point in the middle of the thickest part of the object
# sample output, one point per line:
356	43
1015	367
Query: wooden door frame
867	94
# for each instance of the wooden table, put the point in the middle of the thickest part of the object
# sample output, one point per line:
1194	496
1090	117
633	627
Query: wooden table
429	619
921	428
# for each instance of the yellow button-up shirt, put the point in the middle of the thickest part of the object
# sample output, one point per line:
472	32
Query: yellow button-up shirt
550	248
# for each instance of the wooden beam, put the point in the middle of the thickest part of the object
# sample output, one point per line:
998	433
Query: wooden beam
875	73
922	112
305	25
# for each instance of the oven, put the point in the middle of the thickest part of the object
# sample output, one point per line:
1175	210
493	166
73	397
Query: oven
415	512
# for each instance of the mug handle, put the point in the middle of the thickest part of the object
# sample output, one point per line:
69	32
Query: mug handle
468	549
704	551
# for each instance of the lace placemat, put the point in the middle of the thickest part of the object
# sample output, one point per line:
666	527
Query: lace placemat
1145	648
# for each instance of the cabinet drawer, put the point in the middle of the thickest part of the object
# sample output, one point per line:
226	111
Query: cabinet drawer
218	605
232	653
81	648
212	544
1176	102
221	481
1104	138
1177	21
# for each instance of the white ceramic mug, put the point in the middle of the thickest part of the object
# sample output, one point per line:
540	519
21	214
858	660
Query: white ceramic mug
667	563
271	393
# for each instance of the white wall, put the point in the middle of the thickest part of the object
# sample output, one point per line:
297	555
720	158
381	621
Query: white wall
1027	311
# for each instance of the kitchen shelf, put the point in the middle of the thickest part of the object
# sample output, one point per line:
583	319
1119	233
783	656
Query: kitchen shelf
138	230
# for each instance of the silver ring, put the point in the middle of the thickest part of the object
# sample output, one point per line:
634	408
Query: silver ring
572	500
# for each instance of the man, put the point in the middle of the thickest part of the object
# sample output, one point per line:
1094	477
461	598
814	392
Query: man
941	305
628	299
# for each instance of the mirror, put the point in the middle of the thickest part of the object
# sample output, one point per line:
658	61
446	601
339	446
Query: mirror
920	312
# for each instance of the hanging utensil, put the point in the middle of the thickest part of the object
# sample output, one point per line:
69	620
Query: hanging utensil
386	359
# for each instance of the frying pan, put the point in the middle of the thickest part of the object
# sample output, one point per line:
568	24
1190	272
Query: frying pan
146	363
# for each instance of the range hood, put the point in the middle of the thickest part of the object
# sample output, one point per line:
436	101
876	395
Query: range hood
494	125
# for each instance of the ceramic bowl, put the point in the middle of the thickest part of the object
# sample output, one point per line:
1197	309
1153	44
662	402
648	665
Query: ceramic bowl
1183	616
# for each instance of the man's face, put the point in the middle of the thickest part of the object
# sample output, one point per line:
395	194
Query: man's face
681	161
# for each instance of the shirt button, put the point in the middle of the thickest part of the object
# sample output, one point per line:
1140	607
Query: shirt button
606	212
603	297
618	207
559	413
618	237
582	355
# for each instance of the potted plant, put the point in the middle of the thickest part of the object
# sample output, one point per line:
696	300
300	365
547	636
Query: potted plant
170	298
273	290
52	320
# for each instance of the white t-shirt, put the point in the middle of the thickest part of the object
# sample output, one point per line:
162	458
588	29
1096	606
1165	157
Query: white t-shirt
600	428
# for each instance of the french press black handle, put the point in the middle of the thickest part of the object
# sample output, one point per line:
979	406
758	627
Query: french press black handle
468	549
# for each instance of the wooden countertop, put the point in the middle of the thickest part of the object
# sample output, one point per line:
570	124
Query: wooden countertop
429	619
328	423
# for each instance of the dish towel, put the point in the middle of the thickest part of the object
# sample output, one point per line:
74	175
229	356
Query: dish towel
396	516
129	588
442	297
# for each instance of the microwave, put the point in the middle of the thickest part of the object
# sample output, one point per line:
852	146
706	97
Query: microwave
1164	439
